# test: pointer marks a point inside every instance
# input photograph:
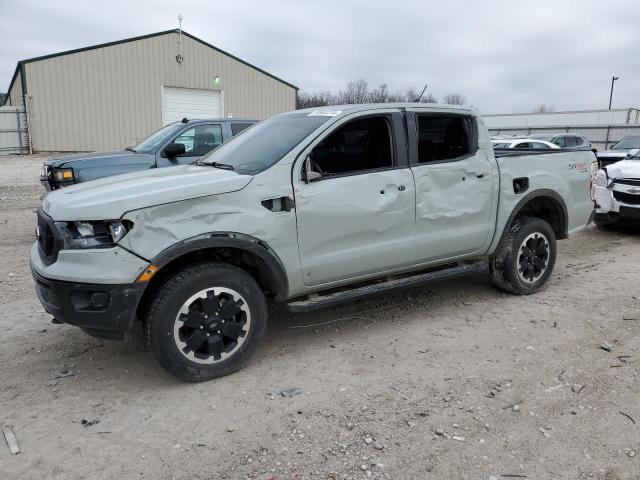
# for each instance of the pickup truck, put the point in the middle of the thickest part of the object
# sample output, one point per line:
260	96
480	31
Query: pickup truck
617	192
174	144
310	208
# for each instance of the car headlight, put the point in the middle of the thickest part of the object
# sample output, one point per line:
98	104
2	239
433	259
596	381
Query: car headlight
601	178
77	235
62	175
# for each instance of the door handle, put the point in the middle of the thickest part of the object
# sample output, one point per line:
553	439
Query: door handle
481	175
402	188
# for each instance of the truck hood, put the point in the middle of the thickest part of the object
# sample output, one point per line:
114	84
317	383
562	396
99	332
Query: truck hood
111	197
624	169
66	160
613	154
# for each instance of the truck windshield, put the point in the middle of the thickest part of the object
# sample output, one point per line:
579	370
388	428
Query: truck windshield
264	144
627	143
155	139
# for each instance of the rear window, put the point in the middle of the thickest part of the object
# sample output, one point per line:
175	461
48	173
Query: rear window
236	128
444	137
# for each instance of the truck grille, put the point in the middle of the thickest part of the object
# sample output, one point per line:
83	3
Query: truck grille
628	198
45	238
49	243
628	181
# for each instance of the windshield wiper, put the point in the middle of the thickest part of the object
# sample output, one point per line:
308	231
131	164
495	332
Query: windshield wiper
131	149
222	166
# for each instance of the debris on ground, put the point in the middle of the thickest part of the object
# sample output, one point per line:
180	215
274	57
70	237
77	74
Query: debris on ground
89	423
577	388
11	439
291	392
85	350
63	374
628	416
606	345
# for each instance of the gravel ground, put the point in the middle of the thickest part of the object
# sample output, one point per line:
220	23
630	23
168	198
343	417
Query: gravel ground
458	380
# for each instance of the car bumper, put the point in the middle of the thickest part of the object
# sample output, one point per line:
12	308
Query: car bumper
606	204
101	310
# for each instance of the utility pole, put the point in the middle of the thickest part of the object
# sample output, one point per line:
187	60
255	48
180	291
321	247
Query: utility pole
613	79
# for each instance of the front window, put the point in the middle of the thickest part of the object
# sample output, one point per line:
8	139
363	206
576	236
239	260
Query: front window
156	139
627	143
200	139
358	146
264	144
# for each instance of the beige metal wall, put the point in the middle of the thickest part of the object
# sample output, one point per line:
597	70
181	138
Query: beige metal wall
15	94
110	97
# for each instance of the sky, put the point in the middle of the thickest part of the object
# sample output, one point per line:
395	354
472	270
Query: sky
503	56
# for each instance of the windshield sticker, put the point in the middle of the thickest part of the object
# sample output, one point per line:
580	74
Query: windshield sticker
324	113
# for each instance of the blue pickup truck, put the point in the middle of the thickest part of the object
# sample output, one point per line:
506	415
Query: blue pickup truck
175	144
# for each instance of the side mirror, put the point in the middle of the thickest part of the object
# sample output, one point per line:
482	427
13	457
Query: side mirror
633	152
308	174
174	149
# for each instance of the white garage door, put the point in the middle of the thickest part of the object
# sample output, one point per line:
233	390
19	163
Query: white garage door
178	103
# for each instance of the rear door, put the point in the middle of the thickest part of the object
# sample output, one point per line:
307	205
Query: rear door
456	185
358	218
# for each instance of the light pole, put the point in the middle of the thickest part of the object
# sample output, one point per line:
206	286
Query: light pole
613	79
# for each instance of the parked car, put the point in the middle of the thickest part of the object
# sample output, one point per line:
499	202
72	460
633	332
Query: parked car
174	144
568	141
523	144
618	151
617	192
311	208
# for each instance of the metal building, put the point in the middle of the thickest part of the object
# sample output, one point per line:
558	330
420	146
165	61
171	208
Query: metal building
112	95
603	128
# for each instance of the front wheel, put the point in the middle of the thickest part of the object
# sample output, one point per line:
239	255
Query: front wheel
525	258
205	321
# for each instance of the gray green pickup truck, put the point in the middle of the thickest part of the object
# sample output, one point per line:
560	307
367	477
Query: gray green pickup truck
310	208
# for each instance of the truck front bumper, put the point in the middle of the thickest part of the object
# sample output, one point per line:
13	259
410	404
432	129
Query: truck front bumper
100	310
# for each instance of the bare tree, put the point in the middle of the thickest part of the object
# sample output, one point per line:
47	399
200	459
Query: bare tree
379	95
355	92
316	99
358	92
542	108
454	99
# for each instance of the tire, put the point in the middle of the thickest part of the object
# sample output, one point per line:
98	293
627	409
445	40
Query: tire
603	220
191	333
525	257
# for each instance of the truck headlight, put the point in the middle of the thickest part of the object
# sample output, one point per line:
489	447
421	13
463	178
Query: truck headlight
78	235
62	175
601	179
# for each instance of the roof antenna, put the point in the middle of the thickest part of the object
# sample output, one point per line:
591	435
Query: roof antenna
179	57
422	93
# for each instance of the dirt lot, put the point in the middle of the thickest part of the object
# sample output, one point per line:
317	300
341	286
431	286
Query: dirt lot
420	384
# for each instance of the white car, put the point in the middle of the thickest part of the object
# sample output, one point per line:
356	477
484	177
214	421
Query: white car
523	144
617	192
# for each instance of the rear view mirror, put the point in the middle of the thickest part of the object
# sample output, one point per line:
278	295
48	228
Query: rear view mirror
308	174
174	149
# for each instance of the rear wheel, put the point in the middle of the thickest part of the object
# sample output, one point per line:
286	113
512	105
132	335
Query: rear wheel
525	258
205	321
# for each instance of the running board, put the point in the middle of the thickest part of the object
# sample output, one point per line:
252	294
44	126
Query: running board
316	302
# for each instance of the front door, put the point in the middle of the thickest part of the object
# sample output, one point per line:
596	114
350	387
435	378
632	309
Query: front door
358	218
456	184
